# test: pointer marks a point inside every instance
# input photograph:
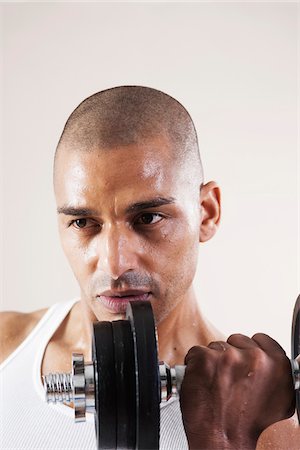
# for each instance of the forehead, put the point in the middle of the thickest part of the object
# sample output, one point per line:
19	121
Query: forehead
125	173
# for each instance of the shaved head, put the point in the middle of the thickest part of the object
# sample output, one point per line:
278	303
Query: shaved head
131	203
127	115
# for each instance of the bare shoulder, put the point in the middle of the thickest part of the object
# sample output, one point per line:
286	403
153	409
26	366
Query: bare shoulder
15	327
281	435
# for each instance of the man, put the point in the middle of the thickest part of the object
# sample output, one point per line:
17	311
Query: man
132	207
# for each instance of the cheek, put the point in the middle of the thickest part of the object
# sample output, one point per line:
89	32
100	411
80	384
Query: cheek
176	256
90	254
184	262
82	258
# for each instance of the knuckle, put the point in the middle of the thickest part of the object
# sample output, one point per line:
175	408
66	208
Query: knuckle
258	354
234	338
192	353
195	355
207	368
260	336
258	359
199	361
231	357
263	340
217	345
266	341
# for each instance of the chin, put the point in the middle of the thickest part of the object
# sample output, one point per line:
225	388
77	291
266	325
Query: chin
162	311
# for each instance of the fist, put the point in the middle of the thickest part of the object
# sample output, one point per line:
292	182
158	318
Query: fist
233	390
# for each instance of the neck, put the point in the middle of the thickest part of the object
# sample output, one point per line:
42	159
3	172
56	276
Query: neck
183	328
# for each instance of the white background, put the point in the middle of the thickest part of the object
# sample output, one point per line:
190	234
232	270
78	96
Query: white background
233	66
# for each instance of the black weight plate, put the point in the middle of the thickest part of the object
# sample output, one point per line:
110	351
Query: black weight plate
296	345
105	386
125	384
141	319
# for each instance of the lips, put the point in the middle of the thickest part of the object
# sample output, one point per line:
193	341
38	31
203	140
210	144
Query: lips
117	301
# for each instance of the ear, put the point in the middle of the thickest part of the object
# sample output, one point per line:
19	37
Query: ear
210	205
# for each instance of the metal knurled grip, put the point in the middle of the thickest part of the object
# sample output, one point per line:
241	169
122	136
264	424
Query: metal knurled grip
78	387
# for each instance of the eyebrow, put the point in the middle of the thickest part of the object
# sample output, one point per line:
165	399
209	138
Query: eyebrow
135	207
73	211
153	203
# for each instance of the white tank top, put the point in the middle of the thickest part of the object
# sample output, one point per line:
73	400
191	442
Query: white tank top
28	422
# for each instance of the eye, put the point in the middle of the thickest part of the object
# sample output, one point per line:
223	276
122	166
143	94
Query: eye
80	223
83	223
149	219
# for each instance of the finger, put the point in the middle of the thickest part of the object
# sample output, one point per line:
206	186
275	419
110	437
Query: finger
219	345
197	352
267	344
241	341
200	361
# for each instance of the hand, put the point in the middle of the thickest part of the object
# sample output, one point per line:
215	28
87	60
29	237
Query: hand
233	390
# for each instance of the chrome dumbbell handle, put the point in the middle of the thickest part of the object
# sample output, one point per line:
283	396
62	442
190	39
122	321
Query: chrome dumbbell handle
58	387
78	387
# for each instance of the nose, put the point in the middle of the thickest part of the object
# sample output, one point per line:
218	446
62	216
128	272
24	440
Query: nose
118	252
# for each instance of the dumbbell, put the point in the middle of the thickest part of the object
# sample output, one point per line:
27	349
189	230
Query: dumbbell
125	383
295	353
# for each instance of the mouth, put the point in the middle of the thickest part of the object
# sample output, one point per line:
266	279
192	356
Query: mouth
117	301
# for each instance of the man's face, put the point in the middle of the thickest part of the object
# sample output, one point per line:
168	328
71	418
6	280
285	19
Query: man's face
129	224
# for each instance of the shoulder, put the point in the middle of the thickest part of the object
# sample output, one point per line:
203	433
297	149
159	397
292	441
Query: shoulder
15	327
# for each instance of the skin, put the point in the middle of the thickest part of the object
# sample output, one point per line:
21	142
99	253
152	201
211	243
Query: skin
235	390
117	248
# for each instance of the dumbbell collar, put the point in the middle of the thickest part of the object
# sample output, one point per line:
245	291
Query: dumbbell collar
296	371
170	380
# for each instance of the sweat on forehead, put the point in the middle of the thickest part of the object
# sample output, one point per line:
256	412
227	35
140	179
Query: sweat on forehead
127	115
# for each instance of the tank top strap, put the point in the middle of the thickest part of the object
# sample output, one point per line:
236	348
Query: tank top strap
44	333
44	329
